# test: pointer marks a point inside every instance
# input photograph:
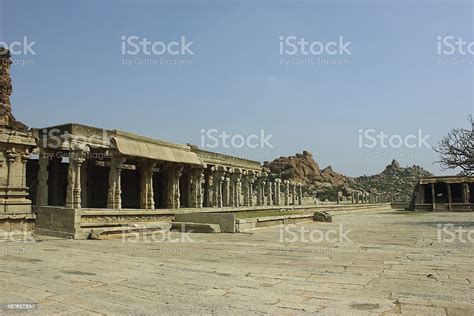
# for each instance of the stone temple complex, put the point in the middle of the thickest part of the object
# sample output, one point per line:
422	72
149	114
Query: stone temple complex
70	179
444	194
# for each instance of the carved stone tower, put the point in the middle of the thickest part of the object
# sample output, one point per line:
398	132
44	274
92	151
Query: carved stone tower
16	144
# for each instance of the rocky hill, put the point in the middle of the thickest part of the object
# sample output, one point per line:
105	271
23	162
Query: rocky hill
394	179
325	183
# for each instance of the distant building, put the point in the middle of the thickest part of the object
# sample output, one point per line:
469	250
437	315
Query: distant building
448	193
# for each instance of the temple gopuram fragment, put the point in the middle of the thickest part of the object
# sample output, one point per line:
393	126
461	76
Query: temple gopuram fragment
16	145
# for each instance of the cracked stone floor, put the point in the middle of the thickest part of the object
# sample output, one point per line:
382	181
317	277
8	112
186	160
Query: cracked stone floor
389	262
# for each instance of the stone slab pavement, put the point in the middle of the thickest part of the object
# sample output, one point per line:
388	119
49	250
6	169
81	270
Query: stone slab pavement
363	263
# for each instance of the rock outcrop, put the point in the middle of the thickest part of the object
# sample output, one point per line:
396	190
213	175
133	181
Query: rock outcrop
326	183
394	179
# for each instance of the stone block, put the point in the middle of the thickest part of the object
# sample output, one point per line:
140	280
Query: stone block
226	221
195	227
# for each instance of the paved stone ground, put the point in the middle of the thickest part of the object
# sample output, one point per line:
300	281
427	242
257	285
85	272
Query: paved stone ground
394	264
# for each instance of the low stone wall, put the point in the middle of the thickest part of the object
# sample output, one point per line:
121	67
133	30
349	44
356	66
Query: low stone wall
78	223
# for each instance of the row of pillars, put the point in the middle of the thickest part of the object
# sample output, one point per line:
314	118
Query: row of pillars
465	193
366	198
234	187
217	186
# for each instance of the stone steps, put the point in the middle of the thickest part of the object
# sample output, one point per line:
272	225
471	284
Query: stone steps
104	232
195	227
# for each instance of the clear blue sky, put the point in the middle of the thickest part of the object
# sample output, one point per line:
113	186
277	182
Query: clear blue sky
236	83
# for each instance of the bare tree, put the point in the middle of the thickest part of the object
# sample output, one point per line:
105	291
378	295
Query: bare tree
457	149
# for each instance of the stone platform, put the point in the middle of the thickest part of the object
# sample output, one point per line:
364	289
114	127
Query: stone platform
77	223
393	265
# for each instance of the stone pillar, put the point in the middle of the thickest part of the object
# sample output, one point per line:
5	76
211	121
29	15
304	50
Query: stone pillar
43	175
466	193
220	199
226	192
338	201
286	191
433	195
84	180
293	193
174	173
261	188
277	200
114	194
217	182
450	200
300	194
73	190
248	181
207	201
422	193
195	195
147	196
269	193
235	175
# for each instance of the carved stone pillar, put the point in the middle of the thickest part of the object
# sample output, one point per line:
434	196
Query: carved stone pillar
43	175
114	195
300	194
292	193
433	195
174	174
235	175
207	195
147	196
195	187
286	191
269	193
260	188
466	194
84	180
73	190
226	192
248	180
217	182
277	191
